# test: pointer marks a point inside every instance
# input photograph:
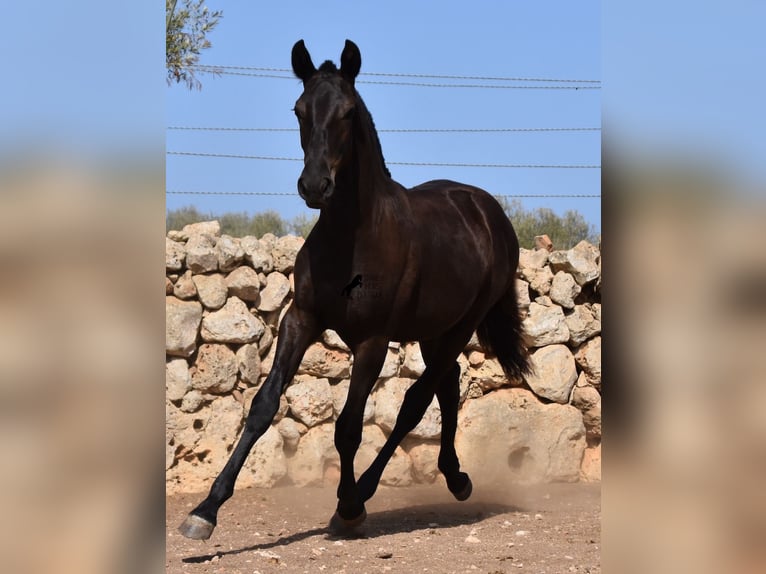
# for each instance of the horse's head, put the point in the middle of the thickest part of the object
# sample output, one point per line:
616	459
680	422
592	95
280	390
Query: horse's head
325	112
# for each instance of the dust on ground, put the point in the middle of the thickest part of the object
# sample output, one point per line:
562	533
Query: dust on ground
552	528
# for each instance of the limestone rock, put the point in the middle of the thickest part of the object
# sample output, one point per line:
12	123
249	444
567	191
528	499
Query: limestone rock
522	294
177	379
476	358
184	287
320	361
182	319
539	279
168	286
509	435
333	340
543	242
192	401
201	256
291	432
211	290
257	254
284	252
413	365
218	434
554	373
582	262
425	459
488	376
388	396
398	471
316	449
339	394
588	357
265	343
591	465
267	464
249	363
585	397
545	326
273	295
268	240
215	369
564	289
233	323
310	400
390	365
212	228
243	282
175	255
583	323
532	258
230	253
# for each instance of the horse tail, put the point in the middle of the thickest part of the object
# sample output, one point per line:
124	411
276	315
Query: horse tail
500	333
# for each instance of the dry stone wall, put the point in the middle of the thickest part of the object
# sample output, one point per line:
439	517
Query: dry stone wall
224	299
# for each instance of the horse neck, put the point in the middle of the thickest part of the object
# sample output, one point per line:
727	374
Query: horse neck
371	182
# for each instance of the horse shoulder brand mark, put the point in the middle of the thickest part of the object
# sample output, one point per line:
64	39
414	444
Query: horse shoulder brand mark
364	286
355	282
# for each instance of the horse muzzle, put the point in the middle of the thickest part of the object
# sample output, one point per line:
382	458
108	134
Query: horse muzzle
315	191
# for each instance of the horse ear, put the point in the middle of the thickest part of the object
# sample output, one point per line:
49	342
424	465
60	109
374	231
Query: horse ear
350	61
303	67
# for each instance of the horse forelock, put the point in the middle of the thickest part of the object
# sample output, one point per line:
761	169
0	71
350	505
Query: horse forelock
328	67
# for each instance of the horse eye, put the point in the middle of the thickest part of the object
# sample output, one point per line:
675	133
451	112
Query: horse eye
349	114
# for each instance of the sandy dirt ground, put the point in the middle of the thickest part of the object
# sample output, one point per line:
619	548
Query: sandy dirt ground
543	529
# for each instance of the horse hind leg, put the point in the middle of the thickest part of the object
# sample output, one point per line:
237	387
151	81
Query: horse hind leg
416	400
448	395
441	368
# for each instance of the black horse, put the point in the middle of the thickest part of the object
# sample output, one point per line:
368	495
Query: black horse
435	263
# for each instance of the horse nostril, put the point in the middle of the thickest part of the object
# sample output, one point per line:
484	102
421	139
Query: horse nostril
324	184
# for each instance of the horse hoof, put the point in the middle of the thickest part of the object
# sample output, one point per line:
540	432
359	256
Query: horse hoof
339	525
196	528
465	492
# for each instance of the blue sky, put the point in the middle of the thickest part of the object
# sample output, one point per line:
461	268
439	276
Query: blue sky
86	79
559	40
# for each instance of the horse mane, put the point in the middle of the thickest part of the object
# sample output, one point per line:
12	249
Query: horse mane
373	132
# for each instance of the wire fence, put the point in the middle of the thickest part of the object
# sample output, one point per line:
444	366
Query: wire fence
394	130
403	79
279	193
404	163
287	74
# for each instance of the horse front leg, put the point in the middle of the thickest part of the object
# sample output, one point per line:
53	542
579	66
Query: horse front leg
296	332
368	361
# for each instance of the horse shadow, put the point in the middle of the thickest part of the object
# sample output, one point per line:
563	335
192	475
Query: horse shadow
383	523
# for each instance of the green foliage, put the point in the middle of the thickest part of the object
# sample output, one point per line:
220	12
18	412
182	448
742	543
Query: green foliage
186	33
241	224
177	218
268	222
302	225
565	232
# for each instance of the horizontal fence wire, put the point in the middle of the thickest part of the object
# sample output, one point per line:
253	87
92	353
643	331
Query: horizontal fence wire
402	163
391	131
407	75
276	193
226	72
